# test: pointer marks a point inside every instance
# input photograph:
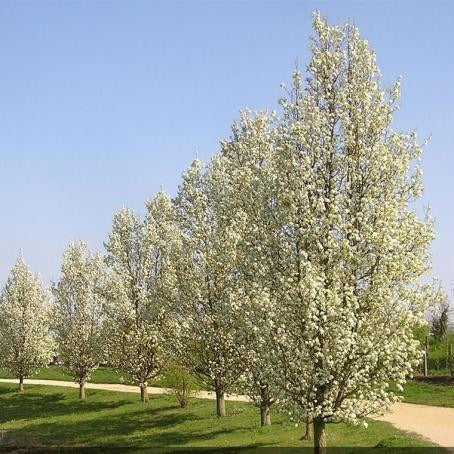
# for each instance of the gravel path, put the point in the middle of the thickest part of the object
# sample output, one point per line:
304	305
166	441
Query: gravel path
122	388
433	423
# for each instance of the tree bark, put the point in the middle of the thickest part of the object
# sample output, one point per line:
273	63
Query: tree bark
319	436
144	393
21	384
220	402
82	390
265	418
426	357
309	432
450	361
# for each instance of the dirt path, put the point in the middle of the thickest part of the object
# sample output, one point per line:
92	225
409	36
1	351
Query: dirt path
433	423
122	388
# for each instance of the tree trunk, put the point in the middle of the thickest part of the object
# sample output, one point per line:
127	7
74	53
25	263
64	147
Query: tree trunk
309	432
220	402
21	384
319	436
450	361
144	393
265	419
82	390
426	357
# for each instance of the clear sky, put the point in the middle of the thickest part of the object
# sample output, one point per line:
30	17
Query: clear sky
101	103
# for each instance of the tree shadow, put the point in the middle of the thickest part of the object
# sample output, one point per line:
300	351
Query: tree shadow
17	406
157	427
4	389
106	424
176	438
110	430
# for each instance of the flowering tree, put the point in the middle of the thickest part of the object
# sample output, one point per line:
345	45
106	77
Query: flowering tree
247	200
142	279
79	314
25	340
207	333
351	248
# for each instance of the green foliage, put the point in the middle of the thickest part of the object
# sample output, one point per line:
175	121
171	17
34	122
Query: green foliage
438	354
420	332
182	383
438	350
49	416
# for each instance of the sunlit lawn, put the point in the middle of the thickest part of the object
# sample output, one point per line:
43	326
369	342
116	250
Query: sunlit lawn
100	375
47	416
415	391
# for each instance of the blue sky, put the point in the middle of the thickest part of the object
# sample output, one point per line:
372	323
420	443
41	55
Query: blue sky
101	103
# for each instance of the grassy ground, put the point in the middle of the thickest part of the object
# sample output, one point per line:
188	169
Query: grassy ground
414	392
47	416
100	375
417	392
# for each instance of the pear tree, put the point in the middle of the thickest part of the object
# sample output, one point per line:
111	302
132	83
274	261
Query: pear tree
26	342
207	343
248	198
352	247
79	317
141	288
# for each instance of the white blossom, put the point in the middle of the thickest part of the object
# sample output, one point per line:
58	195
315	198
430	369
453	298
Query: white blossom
141	291
25	339
207	339
79	313
350	248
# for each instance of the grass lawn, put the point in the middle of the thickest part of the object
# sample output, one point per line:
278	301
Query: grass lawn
418	392
100	375
47	416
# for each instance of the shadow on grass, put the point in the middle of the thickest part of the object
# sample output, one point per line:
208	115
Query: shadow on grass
151	427
15	406
178	438
103	424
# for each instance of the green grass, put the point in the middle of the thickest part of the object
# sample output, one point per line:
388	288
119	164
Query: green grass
100	375
417	392
47	416
414	392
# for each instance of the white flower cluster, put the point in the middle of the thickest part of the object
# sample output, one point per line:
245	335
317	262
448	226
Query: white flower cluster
26	341
141	290
79	316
